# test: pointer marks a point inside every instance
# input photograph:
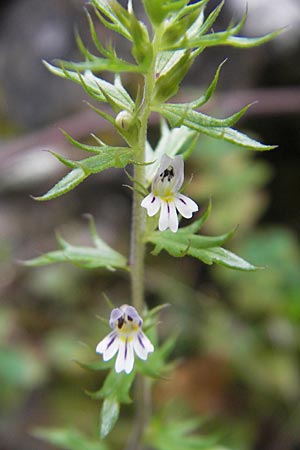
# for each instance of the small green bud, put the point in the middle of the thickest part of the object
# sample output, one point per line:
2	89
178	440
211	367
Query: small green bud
124	120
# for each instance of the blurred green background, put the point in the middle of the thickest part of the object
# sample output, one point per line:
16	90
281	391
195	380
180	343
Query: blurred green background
238	345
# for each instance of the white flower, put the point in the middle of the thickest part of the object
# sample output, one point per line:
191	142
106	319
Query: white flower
165	195
126	339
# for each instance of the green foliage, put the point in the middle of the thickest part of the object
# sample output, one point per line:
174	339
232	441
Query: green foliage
191	33
179	434
88	257
114	392
96	86
157	365
106	157
68	439
180	37
161	57
182	114
205	248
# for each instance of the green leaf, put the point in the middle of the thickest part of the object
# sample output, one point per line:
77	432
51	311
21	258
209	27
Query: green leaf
88	257
158	10
118	385
68	439
96	366
166	60
207	24
114	391
98	64
205	248
107	157
209	91
177	115
97	85
244	42
178	435
109	416
182	112
117	15
66	184
167	83
228	37
156	365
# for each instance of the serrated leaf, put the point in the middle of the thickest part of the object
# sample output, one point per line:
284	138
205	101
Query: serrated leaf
195	122
116	14
227	37
244	42
88	257
176	113
207	24
98	64
205	248
66	184
107	157
95	366
109	415
68	439
97	85
117	385
156	365
195	226
209	91
178	435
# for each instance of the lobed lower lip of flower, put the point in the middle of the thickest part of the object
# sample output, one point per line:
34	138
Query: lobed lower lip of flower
165	196
126	339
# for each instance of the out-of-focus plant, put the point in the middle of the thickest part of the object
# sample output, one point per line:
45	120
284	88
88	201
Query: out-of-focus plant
161	56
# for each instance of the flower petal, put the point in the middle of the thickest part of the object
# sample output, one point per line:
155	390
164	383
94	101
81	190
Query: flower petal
146	202
163	222
178	165
142	345
108	346
114	316
168	217
129	356
173	218
120	361
125	358
185	206
131	312
152	204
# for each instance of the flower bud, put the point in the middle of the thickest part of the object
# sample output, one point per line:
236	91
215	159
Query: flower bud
124	120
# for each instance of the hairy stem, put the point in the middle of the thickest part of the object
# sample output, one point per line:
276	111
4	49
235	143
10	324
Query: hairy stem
137	251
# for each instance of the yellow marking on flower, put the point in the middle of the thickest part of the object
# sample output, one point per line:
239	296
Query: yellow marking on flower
125	337
167	198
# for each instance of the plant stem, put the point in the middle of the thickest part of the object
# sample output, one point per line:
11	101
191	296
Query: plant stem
137	251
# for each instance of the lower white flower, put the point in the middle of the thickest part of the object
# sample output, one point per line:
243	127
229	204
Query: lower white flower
126	339
165	195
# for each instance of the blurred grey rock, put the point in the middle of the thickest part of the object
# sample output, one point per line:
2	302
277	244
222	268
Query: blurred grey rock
32	30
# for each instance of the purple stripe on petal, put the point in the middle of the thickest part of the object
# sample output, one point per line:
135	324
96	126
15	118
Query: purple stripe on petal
183	201
153	199
125	352
168	206
110	342
141	341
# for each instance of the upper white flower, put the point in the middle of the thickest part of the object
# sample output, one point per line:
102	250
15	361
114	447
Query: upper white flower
165	195
126	338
